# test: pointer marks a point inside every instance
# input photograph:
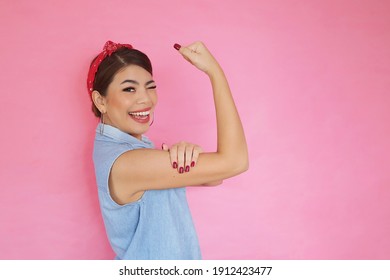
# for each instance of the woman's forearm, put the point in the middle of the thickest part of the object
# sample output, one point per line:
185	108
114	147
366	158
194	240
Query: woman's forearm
231	143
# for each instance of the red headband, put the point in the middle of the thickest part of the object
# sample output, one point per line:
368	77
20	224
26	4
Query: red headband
108	49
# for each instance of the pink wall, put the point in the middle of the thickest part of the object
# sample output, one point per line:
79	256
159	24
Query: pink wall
311	80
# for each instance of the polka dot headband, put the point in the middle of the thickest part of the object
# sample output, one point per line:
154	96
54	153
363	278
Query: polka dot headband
108	49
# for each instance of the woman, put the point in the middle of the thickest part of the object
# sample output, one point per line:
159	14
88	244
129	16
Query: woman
141	192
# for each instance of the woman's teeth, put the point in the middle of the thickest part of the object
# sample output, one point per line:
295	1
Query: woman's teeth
140	114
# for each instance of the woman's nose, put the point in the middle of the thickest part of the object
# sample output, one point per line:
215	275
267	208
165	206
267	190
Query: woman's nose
143	96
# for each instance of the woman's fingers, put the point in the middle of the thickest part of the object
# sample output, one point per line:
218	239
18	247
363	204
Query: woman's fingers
195	154
183	155
172	154
192	54
181	149
188	157
164	147
173	151
186	53
198	55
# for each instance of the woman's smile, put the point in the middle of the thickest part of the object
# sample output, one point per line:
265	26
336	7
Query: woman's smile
141	116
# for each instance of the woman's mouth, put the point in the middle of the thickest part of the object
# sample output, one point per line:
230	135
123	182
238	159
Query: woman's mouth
141	116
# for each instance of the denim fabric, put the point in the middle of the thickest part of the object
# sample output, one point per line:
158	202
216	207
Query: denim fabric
157	226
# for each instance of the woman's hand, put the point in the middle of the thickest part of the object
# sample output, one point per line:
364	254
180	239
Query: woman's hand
183	155
198	55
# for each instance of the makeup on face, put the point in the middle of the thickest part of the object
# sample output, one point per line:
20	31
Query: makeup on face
141	116
131	100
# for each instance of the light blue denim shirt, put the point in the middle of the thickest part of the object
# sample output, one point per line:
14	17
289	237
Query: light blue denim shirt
157	226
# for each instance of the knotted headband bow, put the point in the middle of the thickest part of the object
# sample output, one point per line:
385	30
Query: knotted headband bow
108	49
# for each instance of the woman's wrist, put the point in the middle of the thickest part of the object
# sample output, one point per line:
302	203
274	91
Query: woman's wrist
215	72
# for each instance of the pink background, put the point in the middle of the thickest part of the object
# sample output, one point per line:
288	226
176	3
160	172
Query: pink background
311	80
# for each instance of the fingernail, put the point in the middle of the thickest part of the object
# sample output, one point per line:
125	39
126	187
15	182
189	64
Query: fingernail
174	164
193	164
181	170
162	146
187	168
177	46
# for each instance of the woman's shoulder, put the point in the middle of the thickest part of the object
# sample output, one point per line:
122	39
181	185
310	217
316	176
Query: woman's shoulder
107	135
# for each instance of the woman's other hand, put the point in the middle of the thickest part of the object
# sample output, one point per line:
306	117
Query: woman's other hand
183	155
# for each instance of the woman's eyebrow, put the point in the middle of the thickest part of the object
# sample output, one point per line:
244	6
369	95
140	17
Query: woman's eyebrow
137	83
150	82
130	81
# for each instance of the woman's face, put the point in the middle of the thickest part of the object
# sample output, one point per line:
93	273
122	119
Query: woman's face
130	100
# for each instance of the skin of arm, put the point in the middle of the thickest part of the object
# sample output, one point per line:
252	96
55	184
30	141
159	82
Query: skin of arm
146	169
186	154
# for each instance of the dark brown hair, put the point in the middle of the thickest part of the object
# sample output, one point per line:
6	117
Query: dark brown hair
112	64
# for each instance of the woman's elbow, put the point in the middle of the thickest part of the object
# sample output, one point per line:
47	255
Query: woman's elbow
233	165
243	162
239	166
242	167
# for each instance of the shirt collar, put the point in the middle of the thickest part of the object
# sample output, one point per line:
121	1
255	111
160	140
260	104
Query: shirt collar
119	135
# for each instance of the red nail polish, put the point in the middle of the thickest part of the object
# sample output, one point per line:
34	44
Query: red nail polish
181	170
174	165
177	46
193	164
187	168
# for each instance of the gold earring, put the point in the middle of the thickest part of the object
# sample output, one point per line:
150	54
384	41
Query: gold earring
101	123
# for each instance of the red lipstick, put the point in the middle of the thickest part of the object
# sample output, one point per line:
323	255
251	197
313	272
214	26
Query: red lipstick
139	117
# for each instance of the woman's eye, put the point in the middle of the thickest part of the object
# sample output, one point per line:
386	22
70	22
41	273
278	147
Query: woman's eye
129	89
152	87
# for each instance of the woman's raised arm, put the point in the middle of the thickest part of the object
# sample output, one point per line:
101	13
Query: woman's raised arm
146	169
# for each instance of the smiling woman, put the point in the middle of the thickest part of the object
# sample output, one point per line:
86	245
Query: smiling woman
141	193
131	102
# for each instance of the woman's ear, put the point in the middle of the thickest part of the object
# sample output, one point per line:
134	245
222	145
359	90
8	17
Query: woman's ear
99	101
